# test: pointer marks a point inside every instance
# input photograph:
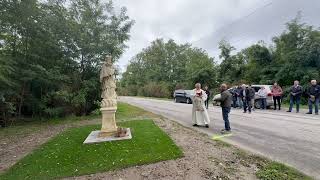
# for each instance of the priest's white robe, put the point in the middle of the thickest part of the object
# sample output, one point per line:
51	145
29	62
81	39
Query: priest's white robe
200	117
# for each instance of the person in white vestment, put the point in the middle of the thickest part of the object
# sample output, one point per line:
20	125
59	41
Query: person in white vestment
200	116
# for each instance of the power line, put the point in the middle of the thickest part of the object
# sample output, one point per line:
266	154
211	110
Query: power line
233	22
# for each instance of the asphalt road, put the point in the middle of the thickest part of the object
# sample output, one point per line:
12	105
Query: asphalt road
290	138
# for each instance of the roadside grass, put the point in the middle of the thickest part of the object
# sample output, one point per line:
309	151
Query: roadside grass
127	112
65	155
274	170
268	169
302	106
23	127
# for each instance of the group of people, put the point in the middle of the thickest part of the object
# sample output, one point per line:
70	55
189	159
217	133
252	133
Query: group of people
244	97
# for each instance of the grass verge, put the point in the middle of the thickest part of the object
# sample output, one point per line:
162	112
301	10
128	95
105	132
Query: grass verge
275	170
65	155
270	170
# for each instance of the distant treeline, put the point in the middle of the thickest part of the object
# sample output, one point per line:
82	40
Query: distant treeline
50	54
165	66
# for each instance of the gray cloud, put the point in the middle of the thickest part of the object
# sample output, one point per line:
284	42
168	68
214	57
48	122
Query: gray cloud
205	22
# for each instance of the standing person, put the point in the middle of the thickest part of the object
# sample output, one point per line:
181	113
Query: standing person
313	97
263	93
295	94
206	102
252	94
200	115
276	93
245	96
239	99
225	99
234	97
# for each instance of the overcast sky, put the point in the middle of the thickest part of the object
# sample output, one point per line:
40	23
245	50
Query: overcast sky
205	22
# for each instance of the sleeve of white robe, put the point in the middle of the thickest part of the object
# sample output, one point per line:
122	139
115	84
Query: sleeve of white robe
204	95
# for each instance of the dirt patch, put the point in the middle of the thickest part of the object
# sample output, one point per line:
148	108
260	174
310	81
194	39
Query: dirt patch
203	159
15	147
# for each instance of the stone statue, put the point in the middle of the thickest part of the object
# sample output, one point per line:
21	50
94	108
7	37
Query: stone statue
109	129
108	84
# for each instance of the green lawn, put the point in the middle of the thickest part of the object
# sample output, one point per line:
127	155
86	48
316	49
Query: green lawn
127	112
65	155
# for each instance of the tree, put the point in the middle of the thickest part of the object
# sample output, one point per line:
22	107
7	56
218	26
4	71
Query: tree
167	65
51	51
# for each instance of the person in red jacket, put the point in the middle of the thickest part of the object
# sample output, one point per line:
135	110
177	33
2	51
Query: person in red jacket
277	94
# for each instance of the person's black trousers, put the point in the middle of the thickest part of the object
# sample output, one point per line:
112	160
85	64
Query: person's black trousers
247	105
206	103
277	99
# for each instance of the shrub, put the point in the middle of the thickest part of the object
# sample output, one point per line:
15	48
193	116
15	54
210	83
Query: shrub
153	89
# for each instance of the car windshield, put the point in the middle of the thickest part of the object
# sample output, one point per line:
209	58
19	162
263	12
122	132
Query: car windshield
189	92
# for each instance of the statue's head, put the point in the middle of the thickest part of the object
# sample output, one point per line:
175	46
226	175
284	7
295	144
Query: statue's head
108	60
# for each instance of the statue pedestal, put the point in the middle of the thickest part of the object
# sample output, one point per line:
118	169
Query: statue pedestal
109	126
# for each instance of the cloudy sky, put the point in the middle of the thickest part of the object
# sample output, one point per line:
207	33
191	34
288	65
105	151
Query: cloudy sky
205	22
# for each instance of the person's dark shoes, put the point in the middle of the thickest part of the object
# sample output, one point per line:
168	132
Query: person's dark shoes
195	125
244	111
309	113
297	112
289	111
316	113
207	126
249	112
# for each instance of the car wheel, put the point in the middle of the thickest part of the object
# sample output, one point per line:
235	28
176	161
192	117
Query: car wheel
257	104
188	101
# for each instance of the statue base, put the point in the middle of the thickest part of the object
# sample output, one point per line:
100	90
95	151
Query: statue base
94	137
109	126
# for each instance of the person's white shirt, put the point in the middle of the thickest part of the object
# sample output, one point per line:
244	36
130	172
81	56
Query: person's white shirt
262	93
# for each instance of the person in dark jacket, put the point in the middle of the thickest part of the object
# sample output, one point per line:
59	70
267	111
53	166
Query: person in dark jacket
206	103
252	93
313	97
234	97
226	100
295	95
246	99
239	99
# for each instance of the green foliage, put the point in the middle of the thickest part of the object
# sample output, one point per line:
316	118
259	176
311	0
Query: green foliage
280	171
163	66
65	155
294	55
153	89
51	51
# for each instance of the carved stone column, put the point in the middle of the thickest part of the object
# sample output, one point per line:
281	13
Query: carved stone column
109	126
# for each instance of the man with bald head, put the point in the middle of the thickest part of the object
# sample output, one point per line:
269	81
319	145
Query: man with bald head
313	97
225	99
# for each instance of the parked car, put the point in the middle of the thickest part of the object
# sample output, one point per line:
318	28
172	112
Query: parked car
257	103
184	96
